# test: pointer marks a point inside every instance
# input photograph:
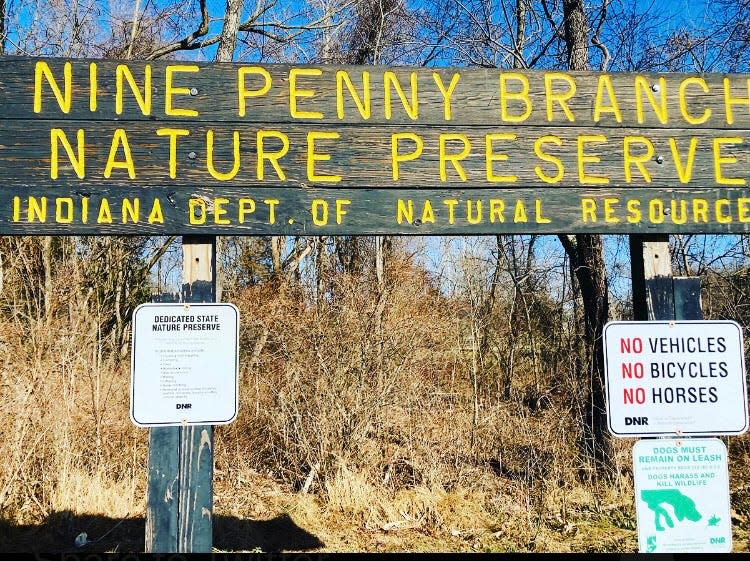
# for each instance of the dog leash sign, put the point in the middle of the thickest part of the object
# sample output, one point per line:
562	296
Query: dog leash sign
682	496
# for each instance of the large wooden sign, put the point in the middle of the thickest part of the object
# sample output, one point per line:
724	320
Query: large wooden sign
112	147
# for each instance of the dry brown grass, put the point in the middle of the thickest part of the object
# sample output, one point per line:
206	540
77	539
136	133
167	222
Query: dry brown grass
357	421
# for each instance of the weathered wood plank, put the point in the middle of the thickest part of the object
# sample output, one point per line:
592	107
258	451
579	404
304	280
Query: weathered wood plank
195	516
213	91
687	298
366	156
264	211
195	500
650	259
179	508
162	490
86	129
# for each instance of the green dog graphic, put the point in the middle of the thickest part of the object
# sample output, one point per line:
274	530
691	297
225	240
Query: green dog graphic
683	506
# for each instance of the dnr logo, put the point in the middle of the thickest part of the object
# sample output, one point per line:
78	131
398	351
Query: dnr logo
183	405
636	421
719	540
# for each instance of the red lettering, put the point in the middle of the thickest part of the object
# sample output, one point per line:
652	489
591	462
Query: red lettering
634	396
632	369
634	345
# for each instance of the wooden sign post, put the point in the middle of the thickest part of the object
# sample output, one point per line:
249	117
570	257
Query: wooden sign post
179	511
656	294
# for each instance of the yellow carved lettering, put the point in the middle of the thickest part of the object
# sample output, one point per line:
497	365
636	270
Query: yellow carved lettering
689	117
720	160
447	92
197	211
656	211
313	157
105	213
453	158
247	206
491	156
684	171
170	90
451	204
560	97
638	160
605	84
120	138
222	176
57	136
609	210
172	134
156	216
131	210
64	98
730	101
64	210
220	210
471	217
644	88
362	102
588	210
584	158
390	81
405	211
272	157
296	93
634	211
542	155
700	210
123	74
397	157
522	95
243	93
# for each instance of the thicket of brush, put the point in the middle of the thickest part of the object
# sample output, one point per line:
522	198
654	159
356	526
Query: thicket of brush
413	401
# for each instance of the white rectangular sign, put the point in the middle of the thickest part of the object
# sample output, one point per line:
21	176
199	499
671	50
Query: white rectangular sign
667	378
682	496
184	364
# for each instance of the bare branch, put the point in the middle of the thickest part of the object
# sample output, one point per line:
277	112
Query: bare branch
188	42
596	38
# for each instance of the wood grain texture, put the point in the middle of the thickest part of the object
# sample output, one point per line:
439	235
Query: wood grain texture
475	98
650	259
374	211
179	505
162	490
195	509
687	298
368	135
362	156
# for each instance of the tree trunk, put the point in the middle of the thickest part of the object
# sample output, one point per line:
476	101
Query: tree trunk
228	42
3	26
586	254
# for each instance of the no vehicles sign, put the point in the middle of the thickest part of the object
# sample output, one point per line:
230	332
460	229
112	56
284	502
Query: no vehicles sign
675	378
682	496
184	364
